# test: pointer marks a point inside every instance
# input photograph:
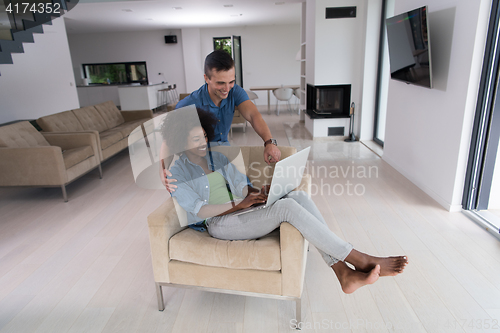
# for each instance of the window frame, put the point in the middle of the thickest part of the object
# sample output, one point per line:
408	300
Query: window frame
127	72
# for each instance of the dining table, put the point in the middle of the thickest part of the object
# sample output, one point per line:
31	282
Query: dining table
269	89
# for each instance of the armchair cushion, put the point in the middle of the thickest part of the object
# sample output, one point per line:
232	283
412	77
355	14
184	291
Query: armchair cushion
200	248
21	135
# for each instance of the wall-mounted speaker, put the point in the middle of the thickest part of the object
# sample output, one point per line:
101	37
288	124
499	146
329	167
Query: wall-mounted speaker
171	39
340	12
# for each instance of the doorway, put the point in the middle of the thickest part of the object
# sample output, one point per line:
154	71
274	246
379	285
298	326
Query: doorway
232	45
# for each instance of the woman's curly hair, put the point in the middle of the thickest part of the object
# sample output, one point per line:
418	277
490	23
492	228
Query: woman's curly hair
178	123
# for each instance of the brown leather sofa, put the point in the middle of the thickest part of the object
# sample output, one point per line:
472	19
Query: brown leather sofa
31	158
110	125
272	266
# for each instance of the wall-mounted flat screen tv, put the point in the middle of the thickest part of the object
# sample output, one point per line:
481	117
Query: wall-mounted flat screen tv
409	47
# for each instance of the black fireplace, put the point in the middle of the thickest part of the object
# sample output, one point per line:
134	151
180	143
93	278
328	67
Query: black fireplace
328	101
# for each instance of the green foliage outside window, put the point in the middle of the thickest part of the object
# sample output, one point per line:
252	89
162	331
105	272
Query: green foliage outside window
223	44
116	73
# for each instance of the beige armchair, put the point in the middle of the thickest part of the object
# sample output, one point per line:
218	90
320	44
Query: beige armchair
272	266
31	158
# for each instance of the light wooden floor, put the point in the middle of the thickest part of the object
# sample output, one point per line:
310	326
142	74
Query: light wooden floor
85	266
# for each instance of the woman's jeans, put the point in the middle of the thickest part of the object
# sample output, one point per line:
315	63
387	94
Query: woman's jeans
295	208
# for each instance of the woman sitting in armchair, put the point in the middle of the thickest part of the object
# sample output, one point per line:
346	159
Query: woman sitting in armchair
210	188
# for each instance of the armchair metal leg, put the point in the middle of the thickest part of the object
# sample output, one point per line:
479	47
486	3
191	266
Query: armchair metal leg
65	195
100	170
298	311
159	295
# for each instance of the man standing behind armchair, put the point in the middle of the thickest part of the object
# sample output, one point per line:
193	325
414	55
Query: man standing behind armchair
220	95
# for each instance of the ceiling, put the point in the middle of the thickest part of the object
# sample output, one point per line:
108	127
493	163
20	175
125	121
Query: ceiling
92	16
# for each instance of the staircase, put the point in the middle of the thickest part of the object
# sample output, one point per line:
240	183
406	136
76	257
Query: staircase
20	19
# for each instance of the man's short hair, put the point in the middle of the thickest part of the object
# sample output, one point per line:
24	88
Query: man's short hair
218	60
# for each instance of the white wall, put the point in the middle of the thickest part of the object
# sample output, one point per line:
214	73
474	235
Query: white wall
366	118
428	130
268	54
146	46
40	82
336	48
193	58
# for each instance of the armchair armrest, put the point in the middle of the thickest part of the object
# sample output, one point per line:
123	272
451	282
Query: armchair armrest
137	114
68	140
33	166
293	260
163	223
294	251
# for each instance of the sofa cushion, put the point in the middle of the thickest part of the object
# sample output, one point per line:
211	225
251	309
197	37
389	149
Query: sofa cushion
200	248
90	119
129	126
60	122
76	155
21	135
112	116
109	138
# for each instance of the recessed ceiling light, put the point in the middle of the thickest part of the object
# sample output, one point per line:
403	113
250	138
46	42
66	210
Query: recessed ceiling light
177	8
236	15
149	19
228	5
126	10
279	3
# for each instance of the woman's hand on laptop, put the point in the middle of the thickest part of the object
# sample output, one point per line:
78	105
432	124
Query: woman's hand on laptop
265	189
252	199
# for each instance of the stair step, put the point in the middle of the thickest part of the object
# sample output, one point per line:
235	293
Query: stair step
5	58
11	46
25	36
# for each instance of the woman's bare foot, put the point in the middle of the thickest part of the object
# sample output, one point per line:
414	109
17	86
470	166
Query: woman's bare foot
351	280
389	266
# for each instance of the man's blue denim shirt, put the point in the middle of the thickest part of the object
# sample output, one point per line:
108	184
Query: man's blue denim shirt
193	191
224	113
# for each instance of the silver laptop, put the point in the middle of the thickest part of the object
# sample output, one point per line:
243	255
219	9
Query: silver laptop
286	177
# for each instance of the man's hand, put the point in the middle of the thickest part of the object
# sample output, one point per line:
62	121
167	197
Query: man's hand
167	182
271	154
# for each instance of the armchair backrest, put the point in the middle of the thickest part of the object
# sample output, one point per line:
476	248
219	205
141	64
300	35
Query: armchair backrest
21	135
250	161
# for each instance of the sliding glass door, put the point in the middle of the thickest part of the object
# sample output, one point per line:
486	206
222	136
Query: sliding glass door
482	188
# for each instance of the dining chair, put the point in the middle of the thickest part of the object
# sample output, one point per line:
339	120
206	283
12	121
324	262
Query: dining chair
283	94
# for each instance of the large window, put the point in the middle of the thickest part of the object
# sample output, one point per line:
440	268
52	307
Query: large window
116	73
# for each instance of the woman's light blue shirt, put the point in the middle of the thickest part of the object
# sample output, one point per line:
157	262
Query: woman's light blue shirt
193	190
